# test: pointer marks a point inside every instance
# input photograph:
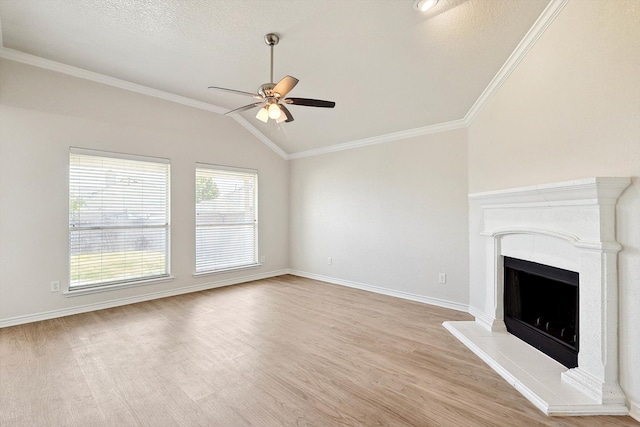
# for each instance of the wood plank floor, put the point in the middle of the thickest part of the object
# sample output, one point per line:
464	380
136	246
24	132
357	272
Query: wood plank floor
285	351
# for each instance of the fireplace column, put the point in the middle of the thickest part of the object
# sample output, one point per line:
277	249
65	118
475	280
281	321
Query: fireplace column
597	371
495	287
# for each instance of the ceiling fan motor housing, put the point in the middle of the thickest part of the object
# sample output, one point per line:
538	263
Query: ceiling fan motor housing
266	90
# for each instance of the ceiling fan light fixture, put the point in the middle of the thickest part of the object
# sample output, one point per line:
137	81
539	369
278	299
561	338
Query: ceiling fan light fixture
271	95
424	5
263	115
274	111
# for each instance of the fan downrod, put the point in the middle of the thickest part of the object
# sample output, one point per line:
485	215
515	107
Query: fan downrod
271	40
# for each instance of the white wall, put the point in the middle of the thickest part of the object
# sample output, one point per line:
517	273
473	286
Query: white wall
43	113
390	216
571	110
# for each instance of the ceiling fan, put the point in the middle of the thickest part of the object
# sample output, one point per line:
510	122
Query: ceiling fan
272	96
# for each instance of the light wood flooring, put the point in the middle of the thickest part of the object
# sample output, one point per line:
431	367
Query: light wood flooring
285	351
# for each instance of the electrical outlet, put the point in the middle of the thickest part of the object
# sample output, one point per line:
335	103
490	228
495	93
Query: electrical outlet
55	286
262	259
329	261
442	278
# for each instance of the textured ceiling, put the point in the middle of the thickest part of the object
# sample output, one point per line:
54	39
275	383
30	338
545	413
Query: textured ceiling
388	67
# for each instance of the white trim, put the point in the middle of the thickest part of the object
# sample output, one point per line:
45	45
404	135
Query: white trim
602	246
384	291
634	410
504	373
539	27
262	137
46	315
580	192
211	166
226	270
389	137
118	155
486	321
529	40
497	349
70	293
59	67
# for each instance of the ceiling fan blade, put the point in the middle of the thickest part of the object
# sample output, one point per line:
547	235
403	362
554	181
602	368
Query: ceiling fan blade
310	102
285	85
238	92
287	113
245	108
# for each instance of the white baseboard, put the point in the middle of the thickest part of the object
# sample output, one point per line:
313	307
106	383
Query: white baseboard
18	320
486	321
391	292
634	410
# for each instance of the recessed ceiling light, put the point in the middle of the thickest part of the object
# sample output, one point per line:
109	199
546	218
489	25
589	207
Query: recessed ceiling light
424	5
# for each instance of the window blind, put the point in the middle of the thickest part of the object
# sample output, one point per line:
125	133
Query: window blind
118	218
226	218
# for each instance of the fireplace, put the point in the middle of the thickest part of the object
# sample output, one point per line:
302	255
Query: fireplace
568	226
541	308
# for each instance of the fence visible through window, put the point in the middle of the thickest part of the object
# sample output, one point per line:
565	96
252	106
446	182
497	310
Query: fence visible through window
119	227
226	218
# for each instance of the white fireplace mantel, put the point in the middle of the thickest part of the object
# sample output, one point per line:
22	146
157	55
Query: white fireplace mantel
569	225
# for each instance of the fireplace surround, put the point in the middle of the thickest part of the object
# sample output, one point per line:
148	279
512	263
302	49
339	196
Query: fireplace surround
570	226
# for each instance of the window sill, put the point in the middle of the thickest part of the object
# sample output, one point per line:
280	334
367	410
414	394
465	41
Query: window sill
227	270
106	288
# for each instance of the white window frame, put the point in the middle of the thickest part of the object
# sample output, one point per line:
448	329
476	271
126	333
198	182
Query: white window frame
101	251
244	252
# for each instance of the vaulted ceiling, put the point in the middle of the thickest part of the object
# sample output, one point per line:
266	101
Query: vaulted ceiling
388	67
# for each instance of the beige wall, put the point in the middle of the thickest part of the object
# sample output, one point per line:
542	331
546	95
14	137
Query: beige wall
571	110
392	216
43	113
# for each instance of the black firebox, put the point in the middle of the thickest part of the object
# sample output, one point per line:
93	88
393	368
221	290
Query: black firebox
541	308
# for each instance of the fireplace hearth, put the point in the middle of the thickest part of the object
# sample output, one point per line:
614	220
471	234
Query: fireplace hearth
541	308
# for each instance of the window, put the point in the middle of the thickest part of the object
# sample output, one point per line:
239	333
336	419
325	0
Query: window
118	218
226	218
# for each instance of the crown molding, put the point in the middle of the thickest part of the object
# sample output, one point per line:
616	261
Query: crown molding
36	61
395	136
262	137
529	40
59	67
535	32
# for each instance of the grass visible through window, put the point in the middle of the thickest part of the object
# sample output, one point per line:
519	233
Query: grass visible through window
114	266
